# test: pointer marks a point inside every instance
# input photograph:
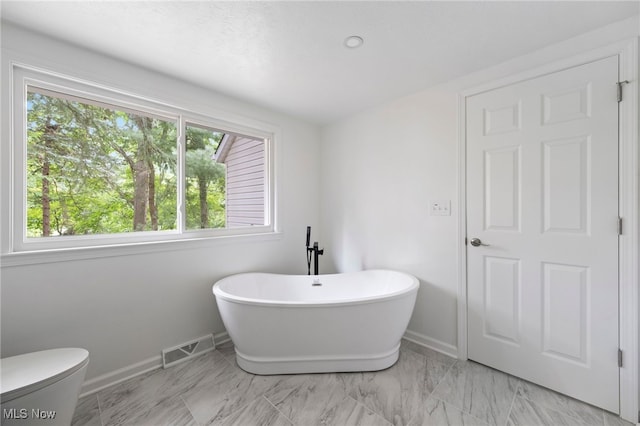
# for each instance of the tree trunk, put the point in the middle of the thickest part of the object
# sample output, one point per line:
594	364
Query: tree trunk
141	173
141	197
204	207
46	201
49	137
65	226
153	207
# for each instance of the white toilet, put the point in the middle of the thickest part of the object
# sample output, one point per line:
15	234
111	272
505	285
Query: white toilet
42	387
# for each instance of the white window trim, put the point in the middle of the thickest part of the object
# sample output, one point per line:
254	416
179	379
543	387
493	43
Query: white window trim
17	249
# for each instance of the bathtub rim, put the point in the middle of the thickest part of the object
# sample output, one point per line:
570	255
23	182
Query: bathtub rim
227	297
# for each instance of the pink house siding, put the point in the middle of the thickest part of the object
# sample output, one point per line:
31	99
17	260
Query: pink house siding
245	168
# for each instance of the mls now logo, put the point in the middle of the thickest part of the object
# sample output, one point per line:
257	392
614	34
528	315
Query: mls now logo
23	413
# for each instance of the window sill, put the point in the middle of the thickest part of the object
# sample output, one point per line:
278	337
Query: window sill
127	249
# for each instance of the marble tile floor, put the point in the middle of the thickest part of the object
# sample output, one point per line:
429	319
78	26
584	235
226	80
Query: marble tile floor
423	388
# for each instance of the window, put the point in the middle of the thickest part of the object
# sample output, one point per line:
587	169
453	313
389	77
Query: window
100	167
96	169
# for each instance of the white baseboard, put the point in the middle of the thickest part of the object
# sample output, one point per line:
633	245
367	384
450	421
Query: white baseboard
122	374
220	338
431	343
118	376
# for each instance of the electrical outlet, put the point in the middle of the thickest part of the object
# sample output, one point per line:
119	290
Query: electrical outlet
440	207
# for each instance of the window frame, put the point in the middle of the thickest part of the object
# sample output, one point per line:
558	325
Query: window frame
24	77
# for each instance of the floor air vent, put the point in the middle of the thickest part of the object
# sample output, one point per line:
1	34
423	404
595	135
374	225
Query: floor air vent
188	350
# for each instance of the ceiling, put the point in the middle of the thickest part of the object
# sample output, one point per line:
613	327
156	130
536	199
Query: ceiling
290	56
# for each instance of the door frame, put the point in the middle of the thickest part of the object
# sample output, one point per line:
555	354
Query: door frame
629	208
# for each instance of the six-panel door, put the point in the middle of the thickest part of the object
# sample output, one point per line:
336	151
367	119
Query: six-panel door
542	193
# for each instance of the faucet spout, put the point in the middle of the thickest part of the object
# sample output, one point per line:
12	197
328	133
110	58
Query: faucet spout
316	252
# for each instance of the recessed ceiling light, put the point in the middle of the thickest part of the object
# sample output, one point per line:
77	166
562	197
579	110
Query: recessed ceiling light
353	42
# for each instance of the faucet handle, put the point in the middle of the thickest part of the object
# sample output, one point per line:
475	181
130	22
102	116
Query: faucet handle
316	249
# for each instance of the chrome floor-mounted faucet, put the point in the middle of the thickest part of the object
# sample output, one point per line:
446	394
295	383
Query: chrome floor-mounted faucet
312	251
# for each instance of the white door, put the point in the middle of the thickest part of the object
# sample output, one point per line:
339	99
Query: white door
542	195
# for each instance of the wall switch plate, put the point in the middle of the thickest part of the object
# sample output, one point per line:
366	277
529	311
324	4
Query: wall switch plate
440	207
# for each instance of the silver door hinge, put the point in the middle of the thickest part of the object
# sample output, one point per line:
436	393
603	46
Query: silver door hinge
619	84
619	226
620	358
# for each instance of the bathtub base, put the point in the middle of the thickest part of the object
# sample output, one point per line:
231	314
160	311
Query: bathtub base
305	365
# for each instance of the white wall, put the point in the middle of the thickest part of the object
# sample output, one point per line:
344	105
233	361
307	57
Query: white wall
381	168
125	309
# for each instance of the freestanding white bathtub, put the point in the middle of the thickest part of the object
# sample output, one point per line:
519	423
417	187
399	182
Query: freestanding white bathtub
287	324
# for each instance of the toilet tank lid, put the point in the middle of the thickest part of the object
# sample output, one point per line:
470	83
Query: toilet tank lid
22	374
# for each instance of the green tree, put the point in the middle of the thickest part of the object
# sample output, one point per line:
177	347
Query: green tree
94	169
202	167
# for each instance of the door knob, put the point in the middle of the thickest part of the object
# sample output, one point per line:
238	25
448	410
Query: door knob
476	242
